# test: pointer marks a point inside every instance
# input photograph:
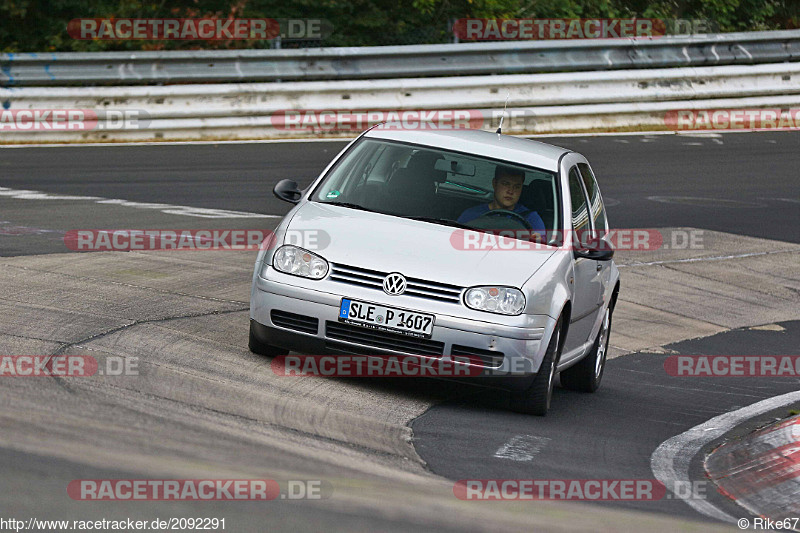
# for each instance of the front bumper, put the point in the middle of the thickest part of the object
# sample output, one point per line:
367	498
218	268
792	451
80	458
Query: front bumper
522	344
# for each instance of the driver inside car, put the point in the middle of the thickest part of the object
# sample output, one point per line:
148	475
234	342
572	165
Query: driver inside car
507	185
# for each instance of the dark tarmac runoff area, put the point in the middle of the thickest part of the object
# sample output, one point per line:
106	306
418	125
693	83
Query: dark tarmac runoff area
610	434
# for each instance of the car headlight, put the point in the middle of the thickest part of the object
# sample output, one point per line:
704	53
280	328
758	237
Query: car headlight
501	300
299	262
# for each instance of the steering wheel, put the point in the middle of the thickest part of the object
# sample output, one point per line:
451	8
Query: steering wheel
505	214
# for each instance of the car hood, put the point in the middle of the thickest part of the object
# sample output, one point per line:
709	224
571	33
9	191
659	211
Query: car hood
414	248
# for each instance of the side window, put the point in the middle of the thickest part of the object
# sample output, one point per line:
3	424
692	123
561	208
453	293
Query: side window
596	203
580	216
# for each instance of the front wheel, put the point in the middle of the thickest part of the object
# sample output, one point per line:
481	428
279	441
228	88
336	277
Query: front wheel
586	375
535	400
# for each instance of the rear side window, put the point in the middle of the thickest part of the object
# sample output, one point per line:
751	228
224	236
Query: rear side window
580	215
595	201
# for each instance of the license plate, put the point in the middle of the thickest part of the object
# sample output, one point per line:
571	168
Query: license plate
385	318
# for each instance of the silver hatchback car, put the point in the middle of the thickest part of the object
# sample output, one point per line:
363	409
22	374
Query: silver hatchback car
446	243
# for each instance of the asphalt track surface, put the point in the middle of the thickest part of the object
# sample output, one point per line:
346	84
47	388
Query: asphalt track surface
745	184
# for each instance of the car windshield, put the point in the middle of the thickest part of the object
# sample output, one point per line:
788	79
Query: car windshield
444	187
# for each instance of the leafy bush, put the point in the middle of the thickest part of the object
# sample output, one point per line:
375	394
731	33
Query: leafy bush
40	25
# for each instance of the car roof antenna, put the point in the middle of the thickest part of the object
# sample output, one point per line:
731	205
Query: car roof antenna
500	128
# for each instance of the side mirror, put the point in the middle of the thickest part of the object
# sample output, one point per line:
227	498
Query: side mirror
593	253
287	191
591	245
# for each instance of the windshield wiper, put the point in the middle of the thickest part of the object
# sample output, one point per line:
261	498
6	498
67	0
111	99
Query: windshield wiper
351	206
444	222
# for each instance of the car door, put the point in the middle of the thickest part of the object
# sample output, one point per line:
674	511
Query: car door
587	282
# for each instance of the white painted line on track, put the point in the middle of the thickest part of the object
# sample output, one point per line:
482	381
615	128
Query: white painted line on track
790	200
521	447
670	462
701	134
706	201
703	259
183	210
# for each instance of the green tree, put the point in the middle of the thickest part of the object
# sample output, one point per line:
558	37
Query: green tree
40	25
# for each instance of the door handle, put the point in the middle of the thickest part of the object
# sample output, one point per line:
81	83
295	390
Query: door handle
599	266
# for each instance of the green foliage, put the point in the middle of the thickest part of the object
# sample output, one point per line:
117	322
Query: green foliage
40	25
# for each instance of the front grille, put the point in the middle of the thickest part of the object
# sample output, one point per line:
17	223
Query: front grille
302	323
373	279
396	342
488	357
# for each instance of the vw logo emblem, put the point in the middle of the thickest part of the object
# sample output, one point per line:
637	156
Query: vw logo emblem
394	284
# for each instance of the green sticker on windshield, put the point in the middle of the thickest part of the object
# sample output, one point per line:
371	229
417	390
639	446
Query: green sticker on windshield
333	194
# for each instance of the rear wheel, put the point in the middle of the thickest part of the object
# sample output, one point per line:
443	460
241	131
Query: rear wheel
256	346
586	375
535	400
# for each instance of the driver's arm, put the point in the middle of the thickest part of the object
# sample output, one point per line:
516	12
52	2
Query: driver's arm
538	230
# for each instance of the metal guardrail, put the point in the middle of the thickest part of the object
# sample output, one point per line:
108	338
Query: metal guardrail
538	103
553	86
417	61
644	116
465	92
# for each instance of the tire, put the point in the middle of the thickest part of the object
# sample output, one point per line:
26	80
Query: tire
585	376
258	347
535	400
